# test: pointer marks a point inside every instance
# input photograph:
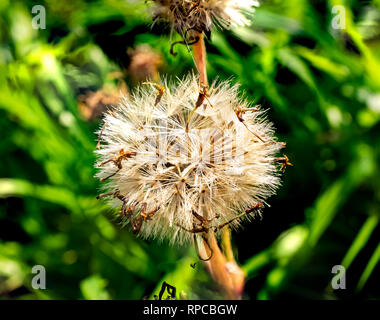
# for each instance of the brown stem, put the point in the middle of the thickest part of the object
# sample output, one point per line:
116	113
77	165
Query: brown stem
237	274
199	49
225	273
226	244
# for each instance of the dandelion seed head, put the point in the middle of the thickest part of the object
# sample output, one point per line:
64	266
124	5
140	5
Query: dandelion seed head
210	162
203	15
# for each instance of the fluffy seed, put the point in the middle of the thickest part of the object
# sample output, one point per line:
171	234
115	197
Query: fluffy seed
202	15
172	172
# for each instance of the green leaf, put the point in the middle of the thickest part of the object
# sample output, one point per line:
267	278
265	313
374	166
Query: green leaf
360	240
323	63
94	288
256	262
295	64
375	258
328	204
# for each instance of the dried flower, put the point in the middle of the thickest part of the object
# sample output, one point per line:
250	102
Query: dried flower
93	104
193	152
202	15
144	63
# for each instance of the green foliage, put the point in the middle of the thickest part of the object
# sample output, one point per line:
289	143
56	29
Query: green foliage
322	89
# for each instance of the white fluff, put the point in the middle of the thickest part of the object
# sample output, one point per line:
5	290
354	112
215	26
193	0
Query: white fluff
202	15
216	168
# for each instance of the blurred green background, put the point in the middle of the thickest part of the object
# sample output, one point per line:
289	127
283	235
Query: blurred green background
321	86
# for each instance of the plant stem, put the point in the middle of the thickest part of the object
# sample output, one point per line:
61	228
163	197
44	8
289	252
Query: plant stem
199	50
225	272
216	265
236	273
226	244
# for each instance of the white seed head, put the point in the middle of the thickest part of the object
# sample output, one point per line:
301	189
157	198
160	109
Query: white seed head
182	161
202	15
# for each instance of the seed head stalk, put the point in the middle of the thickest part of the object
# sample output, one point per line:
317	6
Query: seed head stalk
199	49
222	266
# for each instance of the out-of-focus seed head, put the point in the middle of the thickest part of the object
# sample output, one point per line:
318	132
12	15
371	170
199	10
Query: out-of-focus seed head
144	63
165	161
203	15
93	104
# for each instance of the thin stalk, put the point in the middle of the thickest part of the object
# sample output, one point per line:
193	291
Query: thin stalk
236	273
216	266
224	270
199	50
226	244
227	274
